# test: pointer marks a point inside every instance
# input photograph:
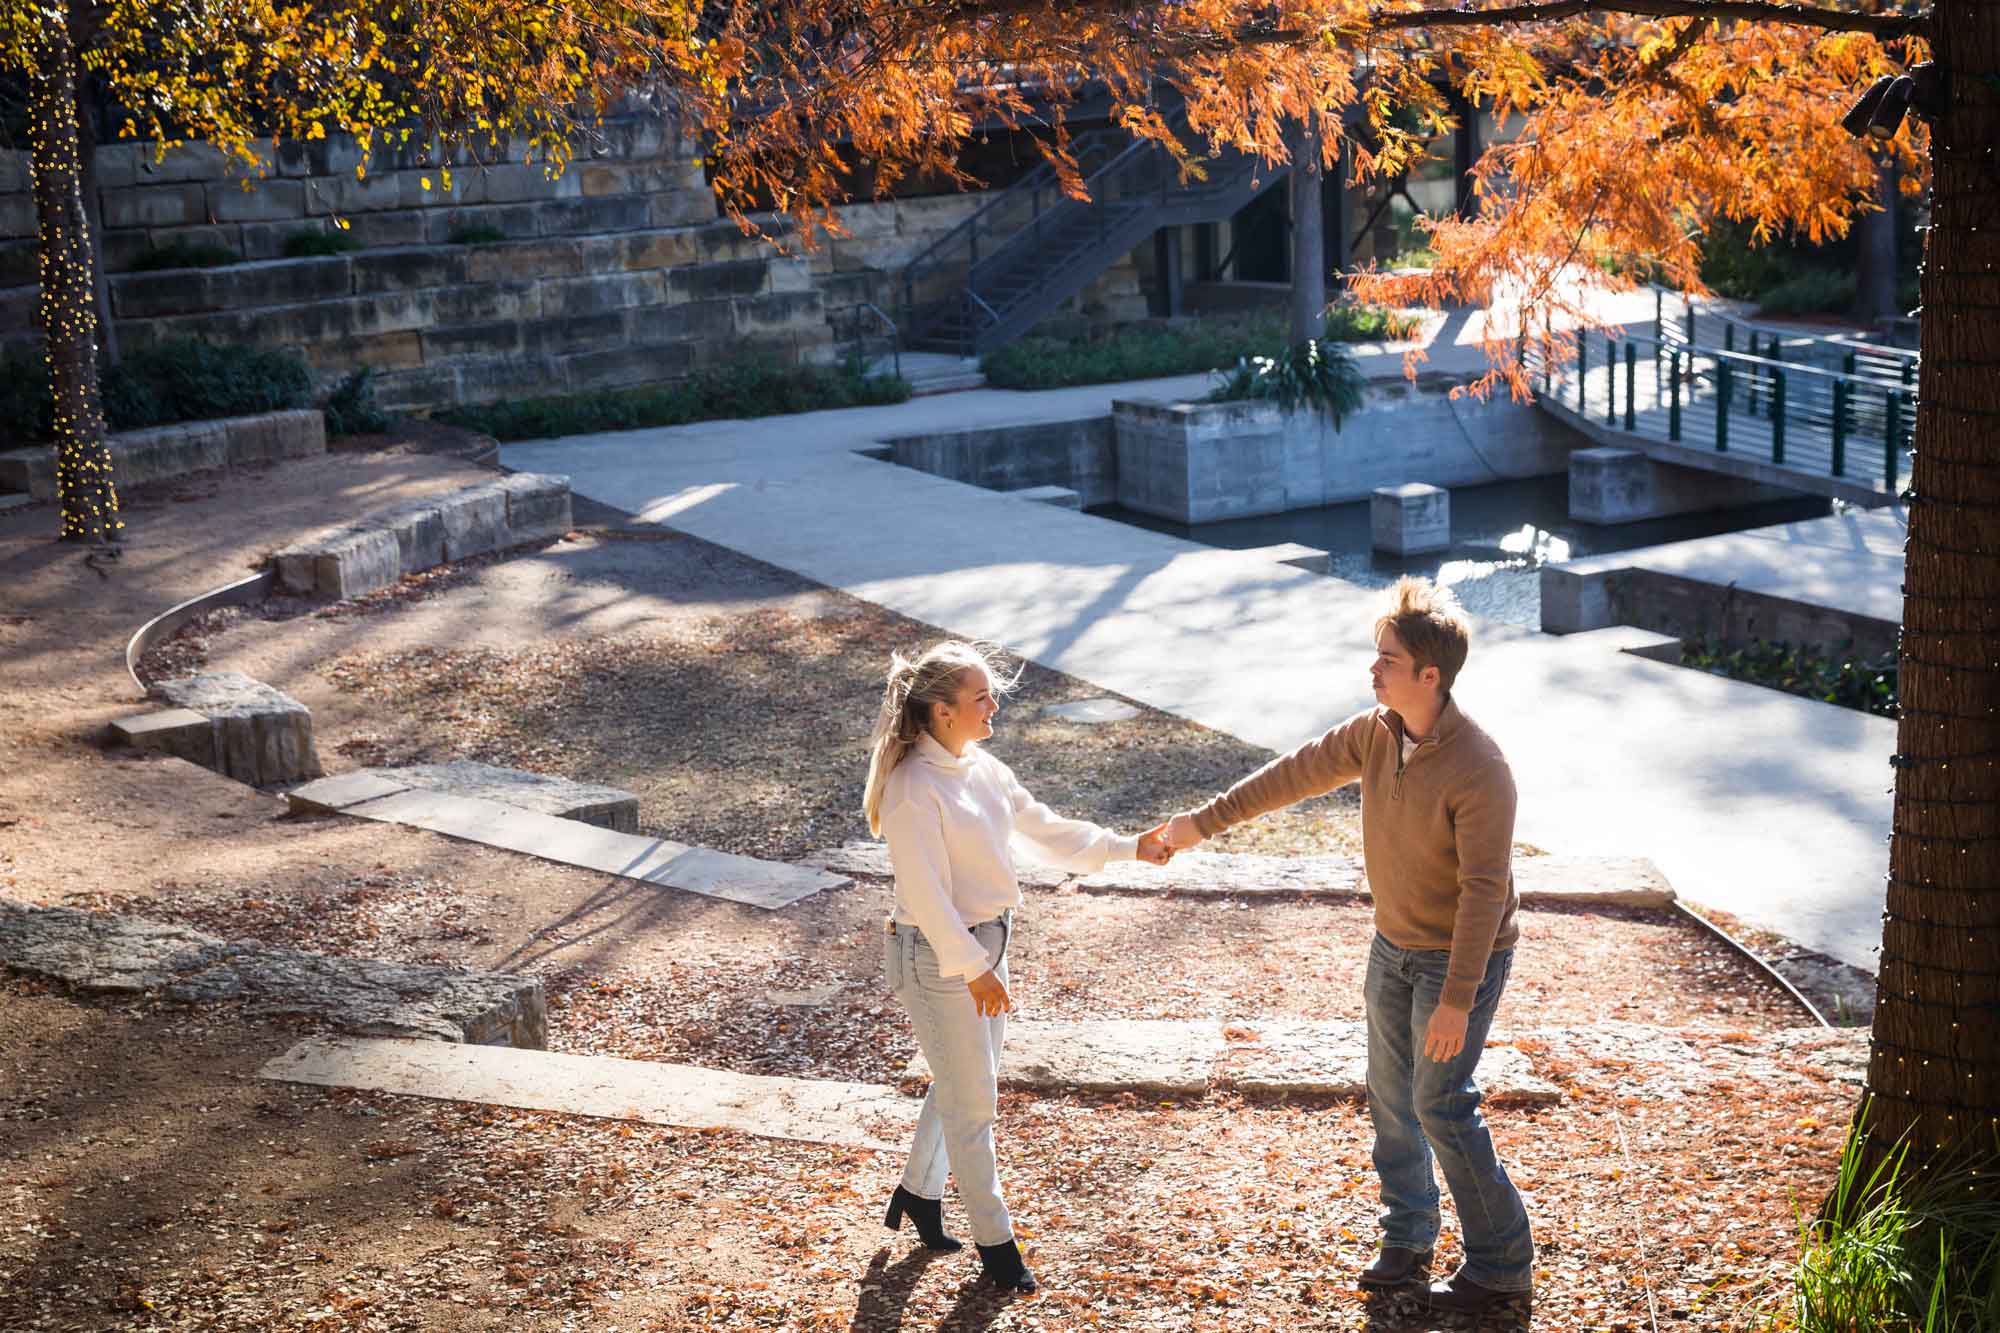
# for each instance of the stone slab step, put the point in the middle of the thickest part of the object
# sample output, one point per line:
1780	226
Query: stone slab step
13	500
857	1115
1184	1058
606	807
672	865
99	952
1591	881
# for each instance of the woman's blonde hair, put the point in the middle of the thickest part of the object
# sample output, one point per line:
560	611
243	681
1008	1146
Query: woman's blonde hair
915	687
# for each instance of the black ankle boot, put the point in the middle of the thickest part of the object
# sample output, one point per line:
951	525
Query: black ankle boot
928	1214
1003	1264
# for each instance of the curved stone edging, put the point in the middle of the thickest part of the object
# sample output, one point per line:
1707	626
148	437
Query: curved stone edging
164	625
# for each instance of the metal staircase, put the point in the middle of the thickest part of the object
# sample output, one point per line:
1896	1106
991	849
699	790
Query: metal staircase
1032	247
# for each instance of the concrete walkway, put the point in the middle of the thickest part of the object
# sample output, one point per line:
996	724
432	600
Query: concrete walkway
1770	807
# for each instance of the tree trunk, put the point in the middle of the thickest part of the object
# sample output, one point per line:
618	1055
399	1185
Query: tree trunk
1934	1068
1308	239
1875	294
93	217
68	307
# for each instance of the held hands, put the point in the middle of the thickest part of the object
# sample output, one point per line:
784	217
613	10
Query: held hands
1154	849
1181	833
1445	1037
989	996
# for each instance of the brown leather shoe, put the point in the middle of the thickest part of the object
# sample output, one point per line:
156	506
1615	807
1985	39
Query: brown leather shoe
1461	1295
1397	1267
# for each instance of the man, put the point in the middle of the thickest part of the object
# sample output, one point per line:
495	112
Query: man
1437	831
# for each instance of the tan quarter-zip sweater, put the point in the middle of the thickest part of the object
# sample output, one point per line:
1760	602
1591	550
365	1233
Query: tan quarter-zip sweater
1437	830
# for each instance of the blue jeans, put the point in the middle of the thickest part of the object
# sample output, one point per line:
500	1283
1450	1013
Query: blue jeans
1423	1107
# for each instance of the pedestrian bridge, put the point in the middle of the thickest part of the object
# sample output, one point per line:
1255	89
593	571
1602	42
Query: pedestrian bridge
1825	415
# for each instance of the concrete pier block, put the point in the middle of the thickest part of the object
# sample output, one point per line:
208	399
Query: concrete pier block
1574	600
1410	519
1611	485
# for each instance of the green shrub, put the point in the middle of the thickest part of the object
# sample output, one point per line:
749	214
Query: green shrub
180	254
1151	352
25	404
304	244
477	234
1865	686
350	409
175	381
1318	376
1809	292
1737	267
746	389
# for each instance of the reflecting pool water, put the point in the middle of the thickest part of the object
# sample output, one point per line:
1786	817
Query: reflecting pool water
1501	536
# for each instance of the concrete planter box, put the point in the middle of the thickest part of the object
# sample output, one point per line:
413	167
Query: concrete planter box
1206	462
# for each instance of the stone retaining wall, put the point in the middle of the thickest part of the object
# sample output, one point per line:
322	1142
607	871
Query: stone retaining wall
173	451
378	549
616	273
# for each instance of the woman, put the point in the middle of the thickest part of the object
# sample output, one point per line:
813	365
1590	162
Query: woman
948	809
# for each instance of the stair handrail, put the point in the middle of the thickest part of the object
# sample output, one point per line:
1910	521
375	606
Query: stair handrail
932	256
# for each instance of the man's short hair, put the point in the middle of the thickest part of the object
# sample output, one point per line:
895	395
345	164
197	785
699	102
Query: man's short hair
1431	624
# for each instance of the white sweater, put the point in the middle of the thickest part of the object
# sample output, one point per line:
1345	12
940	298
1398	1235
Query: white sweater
948	822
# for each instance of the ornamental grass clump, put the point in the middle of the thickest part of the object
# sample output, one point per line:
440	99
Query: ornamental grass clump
1310	376
1900	1250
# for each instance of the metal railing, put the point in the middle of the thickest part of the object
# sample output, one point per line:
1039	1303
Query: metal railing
1851	424
850	328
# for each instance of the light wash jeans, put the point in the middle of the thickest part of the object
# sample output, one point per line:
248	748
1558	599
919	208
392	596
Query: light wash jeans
955	1127
1423	1107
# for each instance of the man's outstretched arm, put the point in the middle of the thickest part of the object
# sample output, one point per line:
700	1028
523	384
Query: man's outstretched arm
1315	768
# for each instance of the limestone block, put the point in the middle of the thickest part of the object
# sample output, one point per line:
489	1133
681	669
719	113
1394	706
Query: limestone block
20	264
501	339
779	313
582	217
418	526
105	953
17	216
688	320
587	803
180	732
155	206
602	178
520	260
1062	497
1610	485
160	452
624	367
262	734
679	208
1410	519
398	270
342	562
264	201
31	470
1577	598
538	507
294	433
734	277
472	303
161	292
403	227
610	291
515	221
339	196
425	387
475	521
639	250
581	333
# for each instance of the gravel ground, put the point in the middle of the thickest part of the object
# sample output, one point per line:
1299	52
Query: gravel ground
151	1182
